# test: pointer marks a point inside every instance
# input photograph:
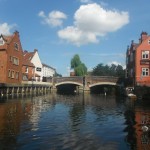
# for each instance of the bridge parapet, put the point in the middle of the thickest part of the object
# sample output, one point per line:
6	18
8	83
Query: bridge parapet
96	79
78	79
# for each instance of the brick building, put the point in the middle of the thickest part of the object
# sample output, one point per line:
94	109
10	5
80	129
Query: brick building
138	61
11	57
28	68
32	66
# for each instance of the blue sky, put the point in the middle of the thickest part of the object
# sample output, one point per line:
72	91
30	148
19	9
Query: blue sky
98	30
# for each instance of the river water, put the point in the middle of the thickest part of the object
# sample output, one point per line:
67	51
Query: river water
73	122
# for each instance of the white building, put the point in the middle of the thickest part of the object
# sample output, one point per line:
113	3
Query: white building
48	71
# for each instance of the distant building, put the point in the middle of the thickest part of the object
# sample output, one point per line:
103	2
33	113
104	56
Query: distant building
11	57
48	71
72	73
138	61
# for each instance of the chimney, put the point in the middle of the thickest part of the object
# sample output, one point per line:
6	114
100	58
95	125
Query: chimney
143	36
35	50
16	32
25	52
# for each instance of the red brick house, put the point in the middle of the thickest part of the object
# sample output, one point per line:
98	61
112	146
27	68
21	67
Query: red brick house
11	57
28	68
138	61
31	65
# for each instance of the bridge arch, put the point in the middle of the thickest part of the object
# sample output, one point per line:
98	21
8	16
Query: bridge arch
68	87
68	82
103	83
104	87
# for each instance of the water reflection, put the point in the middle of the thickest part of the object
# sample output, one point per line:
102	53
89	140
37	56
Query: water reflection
73	122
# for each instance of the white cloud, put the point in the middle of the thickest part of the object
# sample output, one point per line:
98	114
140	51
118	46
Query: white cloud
54	18
77	36
91	21
5	28
114	62
117	63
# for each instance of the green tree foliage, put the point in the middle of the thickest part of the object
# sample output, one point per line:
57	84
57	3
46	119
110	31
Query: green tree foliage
75	61
79	68
105	70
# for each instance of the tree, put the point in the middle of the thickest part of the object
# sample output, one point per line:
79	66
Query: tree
99	70
119	71
113	70
75	61
79	68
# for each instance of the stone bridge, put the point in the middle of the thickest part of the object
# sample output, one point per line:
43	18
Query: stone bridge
85	82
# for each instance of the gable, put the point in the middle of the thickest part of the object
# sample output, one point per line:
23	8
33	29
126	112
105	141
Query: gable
2	42
145	45
36	60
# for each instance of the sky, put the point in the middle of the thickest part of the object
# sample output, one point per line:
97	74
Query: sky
99	31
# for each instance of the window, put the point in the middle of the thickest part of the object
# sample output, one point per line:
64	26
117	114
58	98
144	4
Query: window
148	42
38	69
25	77
16	46
145	71
145	54
12	74
9	73
15	61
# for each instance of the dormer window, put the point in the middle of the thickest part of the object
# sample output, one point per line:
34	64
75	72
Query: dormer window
1	41
145	54
148	42
16	46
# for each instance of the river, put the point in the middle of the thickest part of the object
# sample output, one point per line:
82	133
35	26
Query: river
73	122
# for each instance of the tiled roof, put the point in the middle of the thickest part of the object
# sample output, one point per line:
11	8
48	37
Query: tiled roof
27	63
7	39
27	56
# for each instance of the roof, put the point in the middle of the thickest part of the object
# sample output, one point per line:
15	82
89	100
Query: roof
48	66
27	63
27	56
8	38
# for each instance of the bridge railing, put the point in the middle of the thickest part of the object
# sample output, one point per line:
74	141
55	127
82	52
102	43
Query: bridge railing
78	79
95	79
